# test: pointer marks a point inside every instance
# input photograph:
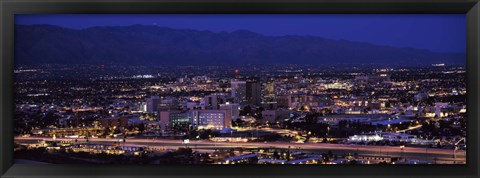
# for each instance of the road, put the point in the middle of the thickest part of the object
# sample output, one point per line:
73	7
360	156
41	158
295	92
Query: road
410	128
204	145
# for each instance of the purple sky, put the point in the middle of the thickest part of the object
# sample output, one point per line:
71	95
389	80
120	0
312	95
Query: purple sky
435	32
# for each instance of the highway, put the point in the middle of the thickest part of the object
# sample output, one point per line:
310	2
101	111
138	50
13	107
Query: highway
204	145
410	128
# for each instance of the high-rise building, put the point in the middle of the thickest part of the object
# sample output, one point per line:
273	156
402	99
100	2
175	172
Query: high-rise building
253	92
152	104
239	91
269	88
269	101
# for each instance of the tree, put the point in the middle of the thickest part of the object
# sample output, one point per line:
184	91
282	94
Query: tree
141	127
326	159
330	154
302	108
246	110
106	130
324	140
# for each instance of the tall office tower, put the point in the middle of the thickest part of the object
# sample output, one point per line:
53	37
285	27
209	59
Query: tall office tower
254	92
152	104
268	95
213	101
239	91
269	89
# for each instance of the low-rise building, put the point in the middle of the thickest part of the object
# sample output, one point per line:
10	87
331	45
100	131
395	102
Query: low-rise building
198	119
272	116
242	159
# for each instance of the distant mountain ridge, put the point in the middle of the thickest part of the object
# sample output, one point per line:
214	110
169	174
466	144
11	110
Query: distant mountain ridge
154	45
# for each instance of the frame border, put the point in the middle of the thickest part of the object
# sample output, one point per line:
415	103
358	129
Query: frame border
8	8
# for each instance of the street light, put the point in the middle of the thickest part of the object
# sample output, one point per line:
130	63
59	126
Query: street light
402	148
454	151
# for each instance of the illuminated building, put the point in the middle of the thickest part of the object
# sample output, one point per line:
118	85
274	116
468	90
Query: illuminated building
242	159
213	101
114	122
198	119
239	91
152	104
167	104
272	116
211	119
232	108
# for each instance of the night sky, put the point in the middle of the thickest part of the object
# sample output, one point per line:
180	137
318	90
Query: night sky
439	33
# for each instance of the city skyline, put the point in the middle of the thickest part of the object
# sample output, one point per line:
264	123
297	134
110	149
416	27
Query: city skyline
273	115
147	94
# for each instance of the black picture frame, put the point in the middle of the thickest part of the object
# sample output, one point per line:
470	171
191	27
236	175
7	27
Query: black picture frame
8	8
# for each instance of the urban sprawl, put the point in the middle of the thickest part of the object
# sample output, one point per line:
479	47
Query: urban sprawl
278	114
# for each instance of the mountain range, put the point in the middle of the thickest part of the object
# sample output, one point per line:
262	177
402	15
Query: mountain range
155	45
